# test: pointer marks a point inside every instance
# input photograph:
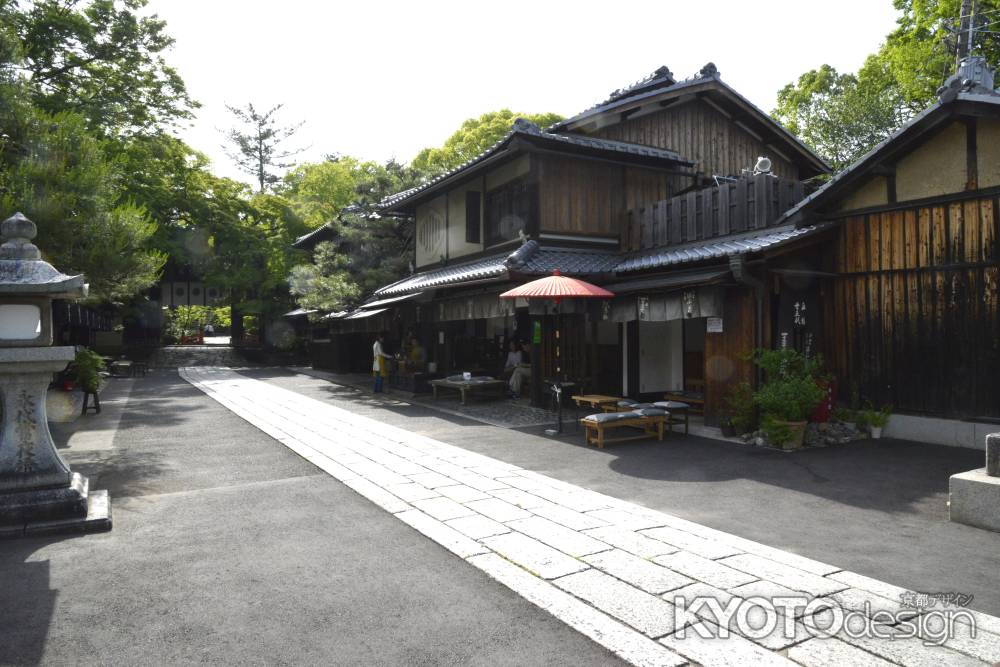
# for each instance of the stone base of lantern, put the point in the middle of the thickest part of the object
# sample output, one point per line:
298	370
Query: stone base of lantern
69	509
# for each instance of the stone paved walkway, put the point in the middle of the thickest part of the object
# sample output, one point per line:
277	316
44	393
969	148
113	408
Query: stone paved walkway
614	571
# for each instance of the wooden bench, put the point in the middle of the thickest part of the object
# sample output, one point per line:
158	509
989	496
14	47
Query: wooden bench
693	398
595	426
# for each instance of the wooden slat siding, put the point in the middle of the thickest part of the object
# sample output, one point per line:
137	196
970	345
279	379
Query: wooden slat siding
682	220
716	211
739	223
579	197
691	221
647	227
699	132
726	354
916	314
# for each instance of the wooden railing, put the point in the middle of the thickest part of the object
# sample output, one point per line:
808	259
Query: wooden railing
743	205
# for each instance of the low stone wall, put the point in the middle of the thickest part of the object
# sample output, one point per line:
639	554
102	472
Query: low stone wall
931	430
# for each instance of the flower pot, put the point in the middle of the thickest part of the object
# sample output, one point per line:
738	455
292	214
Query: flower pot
728	430
875	432
798	431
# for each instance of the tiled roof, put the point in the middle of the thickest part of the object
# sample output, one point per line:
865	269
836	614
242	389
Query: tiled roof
532	258
317	234
488	267
661	77
713	248
532	132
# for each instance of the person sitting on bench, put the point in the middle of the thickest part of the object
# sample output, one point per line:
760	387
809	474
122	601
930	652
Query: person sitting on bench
514	357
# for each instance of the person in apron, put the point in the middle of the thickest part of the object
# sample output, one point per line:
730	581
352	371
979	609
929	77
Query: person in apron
380	367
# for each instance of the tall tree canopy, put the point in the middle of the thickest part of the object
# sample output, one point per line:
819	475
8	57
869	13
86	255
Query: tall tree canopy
370	250
842	116
99	59
57	154
473	137
258	145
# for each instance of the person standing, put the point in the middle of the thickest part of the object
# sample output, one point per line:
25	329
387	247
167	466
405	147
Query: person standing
521	373
380	367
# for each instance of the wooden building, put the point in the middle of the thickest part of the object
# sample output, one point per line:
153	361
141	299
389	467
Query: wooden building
652	193
907	277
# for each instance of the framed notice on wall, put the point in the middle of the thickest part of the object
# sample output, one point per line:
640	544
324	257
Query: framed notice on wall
714	325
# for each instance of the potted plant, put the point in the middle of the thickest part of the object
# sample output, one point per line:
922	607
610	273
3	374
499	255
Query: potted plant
874	421
788	395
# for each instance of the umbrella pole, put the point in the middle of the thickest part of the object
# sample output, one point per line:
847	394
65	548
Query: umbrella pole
559	428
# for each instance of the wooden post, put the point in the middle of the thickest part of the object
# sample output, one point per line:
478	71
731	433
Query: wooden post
965	31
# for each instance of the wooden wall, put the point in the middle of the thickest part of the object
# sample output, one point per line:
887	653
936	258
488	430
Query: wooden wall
699	132
748	204
915	315
588	197
727	353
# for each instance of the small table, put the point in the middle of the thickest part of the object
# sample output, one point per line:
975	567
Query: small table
465	387
596	401
121	368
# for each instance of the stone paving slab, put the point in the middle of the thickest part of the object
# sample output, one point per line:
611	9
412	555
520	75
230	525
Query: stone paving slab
568	541
651	615
719	652
605	557
704	569
639	572
632	542
532	555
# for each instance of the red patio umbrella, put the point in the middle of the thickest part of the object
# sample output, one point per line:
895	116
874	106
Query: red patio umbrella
557	287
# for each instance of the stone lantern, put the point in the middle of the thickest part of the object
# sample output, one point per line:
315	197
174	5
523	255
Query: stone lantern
38	491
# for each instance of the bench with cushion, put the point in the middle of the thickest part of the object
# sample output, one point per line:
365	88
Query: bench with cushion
649	419
676	410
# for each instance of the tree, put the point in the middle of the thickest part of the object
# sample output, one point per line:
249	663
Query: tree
838	115
318	191
370	251
54	171
256	145
473	137
99	59
326	284
842	116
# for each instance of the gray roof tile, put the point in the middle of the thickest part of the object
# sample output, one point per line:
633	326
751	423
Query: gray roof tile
713	248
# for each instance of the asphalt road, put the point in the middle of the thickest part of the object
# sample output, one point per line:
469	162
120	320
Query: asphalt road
875	507
228	548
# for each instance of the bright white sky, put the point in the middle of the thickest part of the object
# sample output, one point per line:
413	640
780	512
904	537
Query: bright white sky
380	78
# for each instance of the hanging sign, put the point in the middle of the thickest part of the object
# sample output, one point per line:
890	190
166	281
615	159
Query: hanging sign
536	335
643	303
714	325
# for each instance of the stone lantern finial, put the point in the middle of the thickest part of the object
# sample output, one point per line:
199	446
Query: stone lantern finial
17	232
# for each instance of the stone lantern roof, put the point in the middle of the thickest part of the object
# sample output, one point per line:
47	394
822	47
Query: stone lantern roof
22	270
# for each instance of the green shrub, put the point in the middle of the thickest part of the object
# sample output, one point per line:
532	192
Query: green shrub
790	391
740	408
87	367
